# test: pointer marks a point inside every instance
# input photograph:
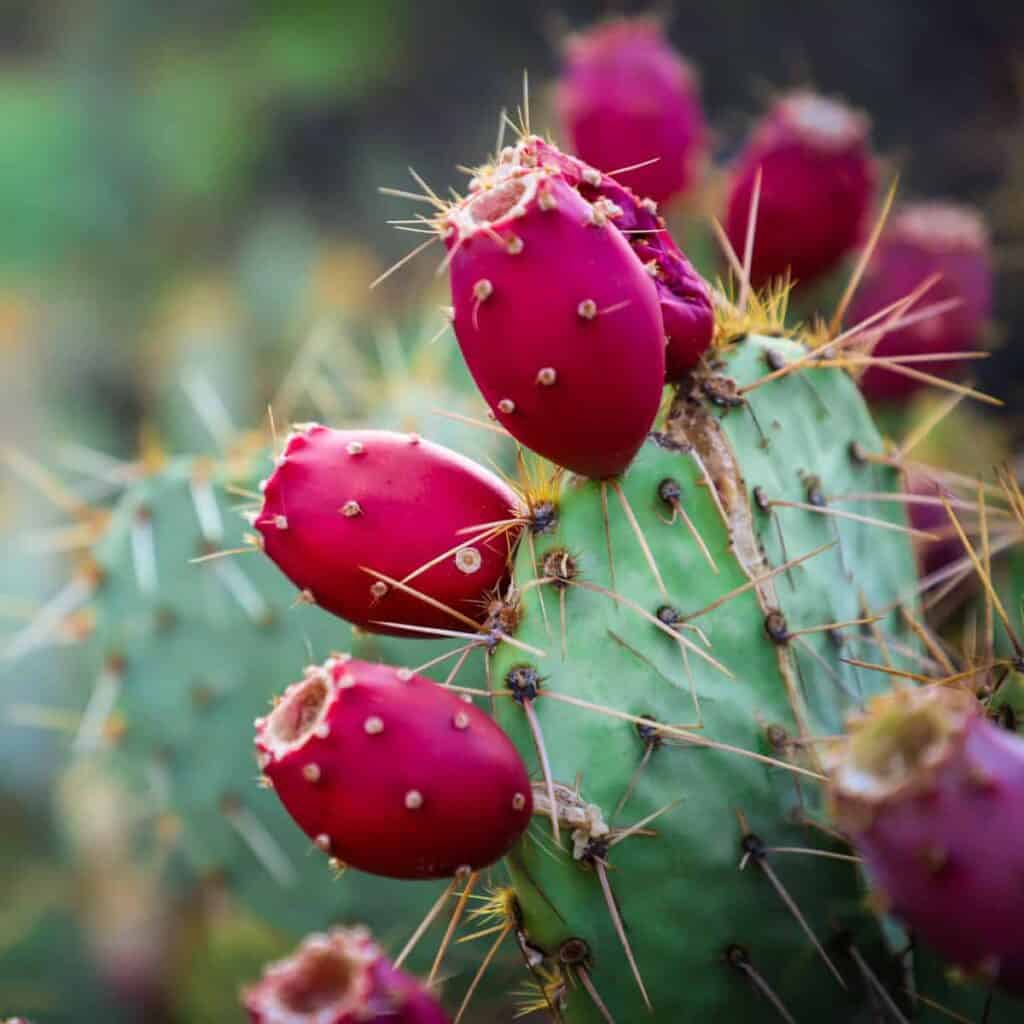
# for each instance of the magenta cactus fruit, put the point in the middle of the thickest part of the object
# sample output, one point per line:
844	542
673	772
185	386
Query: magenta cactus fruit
557	318
687	312
817	183
626	97
925	239
932	795
339	977
343	502
392	773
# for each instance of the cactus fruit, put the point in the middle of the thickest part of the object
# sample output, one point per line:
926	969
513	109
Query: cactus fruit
391	773
930	792
926	239
817	178
686	309
346	509
551	303
627	98
339	977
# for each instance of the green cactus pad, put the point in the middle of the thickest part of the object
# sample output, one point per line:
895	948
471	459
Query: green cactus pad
711	940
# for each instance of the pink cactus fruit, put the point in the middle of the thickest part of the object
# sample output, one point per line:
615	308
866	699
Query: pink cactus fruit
931	794
925	239
341	501
817	182
627	97
928	515
557	317
340	977
393	774
686	310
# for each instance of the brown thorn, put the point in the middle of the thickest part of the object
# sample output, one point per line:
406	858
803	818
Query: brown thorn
402	262
427	921
783	894
620	929
639	534
425	598
460	907
836	323
545	765
872	979
882	524
765	989
986	580
678	510
757	581
684	734
588	985
656	622
608	533
748	244
504	931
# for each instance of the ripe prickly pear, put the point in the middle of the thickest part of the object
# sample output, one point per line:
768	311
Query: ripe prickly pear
555	314
341	977
817	180
626	97
344	508
686	308
393	774
923	240
932	795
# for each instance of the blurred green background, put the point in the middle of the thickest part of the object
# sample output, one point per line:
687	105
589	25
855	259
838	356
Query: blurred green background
195	184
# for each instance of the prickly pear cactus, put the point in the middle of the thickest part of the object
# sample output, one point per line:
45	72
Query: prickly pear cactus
184	652
737	663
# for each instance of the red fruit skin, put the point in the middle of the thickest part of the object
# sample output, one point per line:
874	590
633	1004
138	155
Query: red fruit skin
686	310
411	499
542	292
922	240
945	849
340	977
817	183
625	97
398	776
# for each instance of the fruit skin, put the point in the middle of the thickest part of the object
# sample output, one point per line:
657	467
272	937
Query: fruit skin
922	240
557	319
341	977
626	97
932	795
393	774
817	183
340	500
791	441
686	310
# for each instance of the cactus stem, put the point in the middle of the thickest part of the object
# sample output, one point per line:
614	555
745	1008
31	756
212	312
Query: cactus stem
453	923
